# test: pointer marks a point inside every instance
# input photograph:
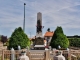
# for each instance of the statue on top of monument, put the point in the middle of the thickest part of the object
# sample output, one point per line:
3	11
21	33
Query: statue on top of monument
39	27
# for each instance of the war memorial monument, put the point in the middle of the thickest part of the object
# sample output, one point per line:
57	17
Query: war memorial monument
39	40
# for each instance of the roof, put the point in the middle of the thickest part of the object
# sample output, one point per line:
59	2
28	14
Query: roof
49	34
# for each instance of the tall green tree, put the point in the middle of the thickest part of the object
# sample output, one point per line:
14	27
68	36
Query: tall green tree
59	39
4	39
18	38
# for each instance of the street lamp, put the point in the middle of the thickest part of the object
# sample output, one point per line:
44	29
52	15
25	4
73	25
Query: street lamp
24	18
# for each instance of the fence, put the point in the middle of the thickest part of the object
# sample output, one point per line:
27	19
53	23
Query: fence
41	54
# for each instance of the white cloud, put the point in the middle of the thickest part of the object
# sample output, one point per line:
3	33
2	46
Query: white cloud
63	13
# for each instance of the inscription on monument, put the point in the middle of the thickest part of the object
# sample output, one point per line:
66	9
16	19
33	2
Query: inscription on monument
39	41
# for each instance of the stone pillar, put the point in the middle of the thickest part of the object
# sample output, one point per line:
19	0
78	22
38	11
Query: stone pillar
54	51
49	47
69	54
59	47
2	54
12	54
46	54
19	48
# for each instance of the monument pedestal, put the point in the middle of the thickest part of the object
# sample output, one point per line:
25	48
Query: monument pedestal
39	44
39	47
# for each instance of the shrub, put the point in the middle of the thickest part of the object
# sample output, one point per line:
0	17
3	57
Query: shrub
59	39
18	38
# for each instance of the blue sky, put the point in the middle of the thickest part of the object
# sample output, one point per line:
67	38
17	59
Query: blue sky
65	13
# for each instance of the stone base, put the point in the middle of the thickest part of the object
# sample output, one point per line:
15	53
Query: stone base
39	47
39	43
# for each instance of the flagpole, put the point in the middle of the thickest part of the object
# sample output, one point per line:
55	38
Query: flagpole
24	18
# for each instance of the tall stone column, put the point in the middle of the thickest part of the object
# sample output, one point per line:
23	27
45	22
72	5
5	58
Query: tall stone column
39	25
39	40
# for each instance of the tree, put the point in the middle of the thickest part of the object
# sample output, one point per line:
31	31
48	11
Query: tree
59	39
18	38
4	39
48	29
74	42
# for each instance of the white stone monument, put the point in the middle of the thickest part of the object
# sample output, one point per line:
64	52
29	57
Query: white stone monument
39	40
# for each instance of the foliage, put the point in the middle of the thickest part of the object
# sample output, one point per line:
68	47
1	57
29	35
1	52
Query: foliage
18	38
59	39
48	29
4	39
75	42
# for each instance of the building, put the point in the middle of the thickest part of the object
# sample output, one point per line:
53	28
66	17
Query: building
48	36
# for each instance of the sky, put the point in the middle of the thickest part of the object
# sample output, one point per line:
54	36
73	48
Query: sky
64	13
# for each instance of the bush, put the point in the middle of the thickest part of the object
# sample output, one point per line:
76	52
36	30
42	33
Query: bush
4	39
59	39
18	38
74	42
